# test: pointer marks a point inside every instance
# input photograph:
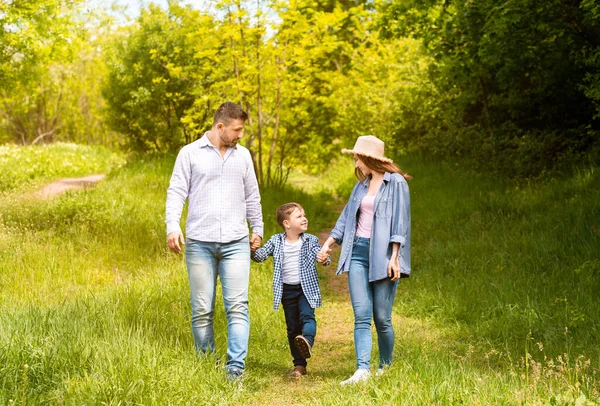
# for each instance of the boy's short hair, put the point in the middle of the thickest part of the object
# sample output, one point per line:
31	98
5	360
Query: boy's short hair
285	210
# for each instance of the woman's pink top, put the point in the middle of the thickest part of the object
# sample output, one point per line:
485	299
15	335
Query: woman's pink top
365	217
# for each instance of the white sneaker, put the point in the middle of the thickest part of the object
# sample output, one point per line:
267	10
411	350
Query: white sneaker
359	376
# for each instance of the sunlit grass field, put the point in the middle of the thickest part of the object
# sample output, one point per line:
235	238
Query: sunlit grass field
502	307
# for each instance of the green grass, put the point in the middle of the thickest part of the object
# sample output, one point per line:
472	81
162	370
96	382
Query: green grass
502	307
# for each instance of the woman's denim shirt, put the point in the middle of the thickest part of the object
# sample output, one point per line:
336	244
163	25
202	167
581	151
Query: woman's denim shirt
391	223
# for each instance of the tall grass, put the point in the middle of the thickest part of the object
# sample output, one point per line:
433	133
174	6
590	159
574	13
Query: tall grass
502	307
24	168
508	262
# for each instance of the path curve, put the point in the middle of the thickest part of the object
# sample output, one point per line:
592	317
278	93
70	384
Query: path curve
61	186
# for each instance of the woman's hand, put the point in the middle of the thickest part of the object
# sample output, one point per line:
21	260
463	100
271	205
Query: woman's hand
394	269
323	254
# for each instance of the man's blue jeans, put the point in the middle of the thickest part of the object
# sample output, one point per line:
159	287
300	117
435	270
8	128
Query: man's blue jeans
299	319
231	263
370	300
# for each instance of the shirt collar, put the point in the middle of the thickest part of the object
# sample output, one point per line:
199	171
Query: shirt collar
302	237
205	142
386	179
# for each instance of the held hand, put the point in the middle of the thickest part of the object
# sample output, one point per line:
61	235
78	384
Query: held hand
255	240
323	254
325	249
394	269
173	241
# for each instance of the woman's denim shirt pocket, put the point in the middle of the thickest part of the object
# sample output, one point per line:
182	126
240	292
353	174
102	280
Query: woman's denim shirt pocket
383	208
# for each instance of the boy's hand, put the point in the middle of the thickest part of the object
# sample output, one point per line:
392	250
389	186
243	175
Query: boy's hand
255	240
323	254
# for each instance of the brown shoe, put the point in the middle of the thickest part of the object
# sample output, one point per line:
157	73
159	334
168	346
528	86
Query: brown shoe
297	372
303	345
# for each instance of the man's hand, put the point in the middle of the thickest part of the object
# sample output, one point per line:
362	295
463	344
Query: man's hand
394	269
255	240
173	241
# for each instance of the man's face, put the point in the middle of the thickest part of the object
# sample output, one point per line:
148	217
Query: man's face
230	134
298	223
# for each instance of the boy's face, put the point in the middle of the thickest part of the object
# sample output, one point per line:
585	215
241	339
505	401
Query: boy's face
297	223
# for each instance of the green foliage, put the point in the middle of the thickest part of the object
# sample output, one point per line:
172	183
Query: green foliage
510	86
33	32
318	79
590	11
514	82
156	69
50	72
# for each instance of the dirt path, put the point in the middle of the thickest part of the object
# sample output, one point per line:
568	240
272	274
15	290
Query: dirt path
61	186
335	317
333	353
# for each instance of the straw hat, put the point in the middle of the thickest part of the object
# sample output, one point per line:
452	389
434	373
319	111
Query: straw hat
368	145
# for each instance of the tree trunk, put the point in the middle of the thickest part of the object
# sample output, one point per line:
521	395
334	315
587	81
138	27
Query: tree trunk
258	101
485	109
276	127
236	69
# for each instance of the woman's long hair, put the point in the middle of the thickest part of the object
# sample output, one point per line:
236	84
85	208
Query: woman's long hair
378	166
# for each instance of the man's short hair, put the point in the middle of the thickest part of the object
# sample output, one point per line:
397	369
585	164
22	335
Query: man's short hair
285	210
229	111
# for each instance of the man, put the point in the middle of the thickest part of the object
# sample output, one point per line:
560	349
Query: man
217	176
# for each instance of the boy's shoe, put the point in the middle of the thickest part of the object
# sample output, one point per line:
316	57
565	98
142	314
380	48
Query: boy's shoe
234	373
303	345
359	376
297	372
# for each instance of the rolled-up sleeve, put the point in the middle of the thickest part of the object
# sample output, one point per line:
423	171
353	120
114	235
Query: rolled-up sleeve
178	191
401	211
253	208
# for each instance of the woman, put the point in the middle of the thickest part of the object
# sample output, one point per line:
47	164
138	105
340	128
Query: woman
374	232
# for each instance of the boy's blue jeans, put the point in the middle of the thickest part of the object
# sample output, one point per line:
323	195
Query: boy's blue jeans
370	300
299	318
231	263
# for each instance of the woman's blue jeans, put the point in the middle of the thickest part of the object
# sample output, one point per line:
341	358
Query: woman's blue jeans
231	263
370	301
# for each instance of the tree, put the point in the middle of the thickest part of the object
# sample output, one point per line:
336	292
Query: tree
512	76
36	36
156	69
310	79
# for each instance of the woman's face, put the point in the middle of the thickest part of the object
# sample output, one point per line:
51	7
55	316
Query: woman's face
358	164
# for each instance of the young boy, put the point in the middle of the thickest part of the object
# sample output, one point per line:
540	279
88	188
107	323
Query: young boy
295	282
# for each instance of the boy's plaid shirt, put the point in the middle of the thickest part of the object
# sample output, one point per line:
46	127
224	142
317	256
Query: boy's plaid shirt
308	270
